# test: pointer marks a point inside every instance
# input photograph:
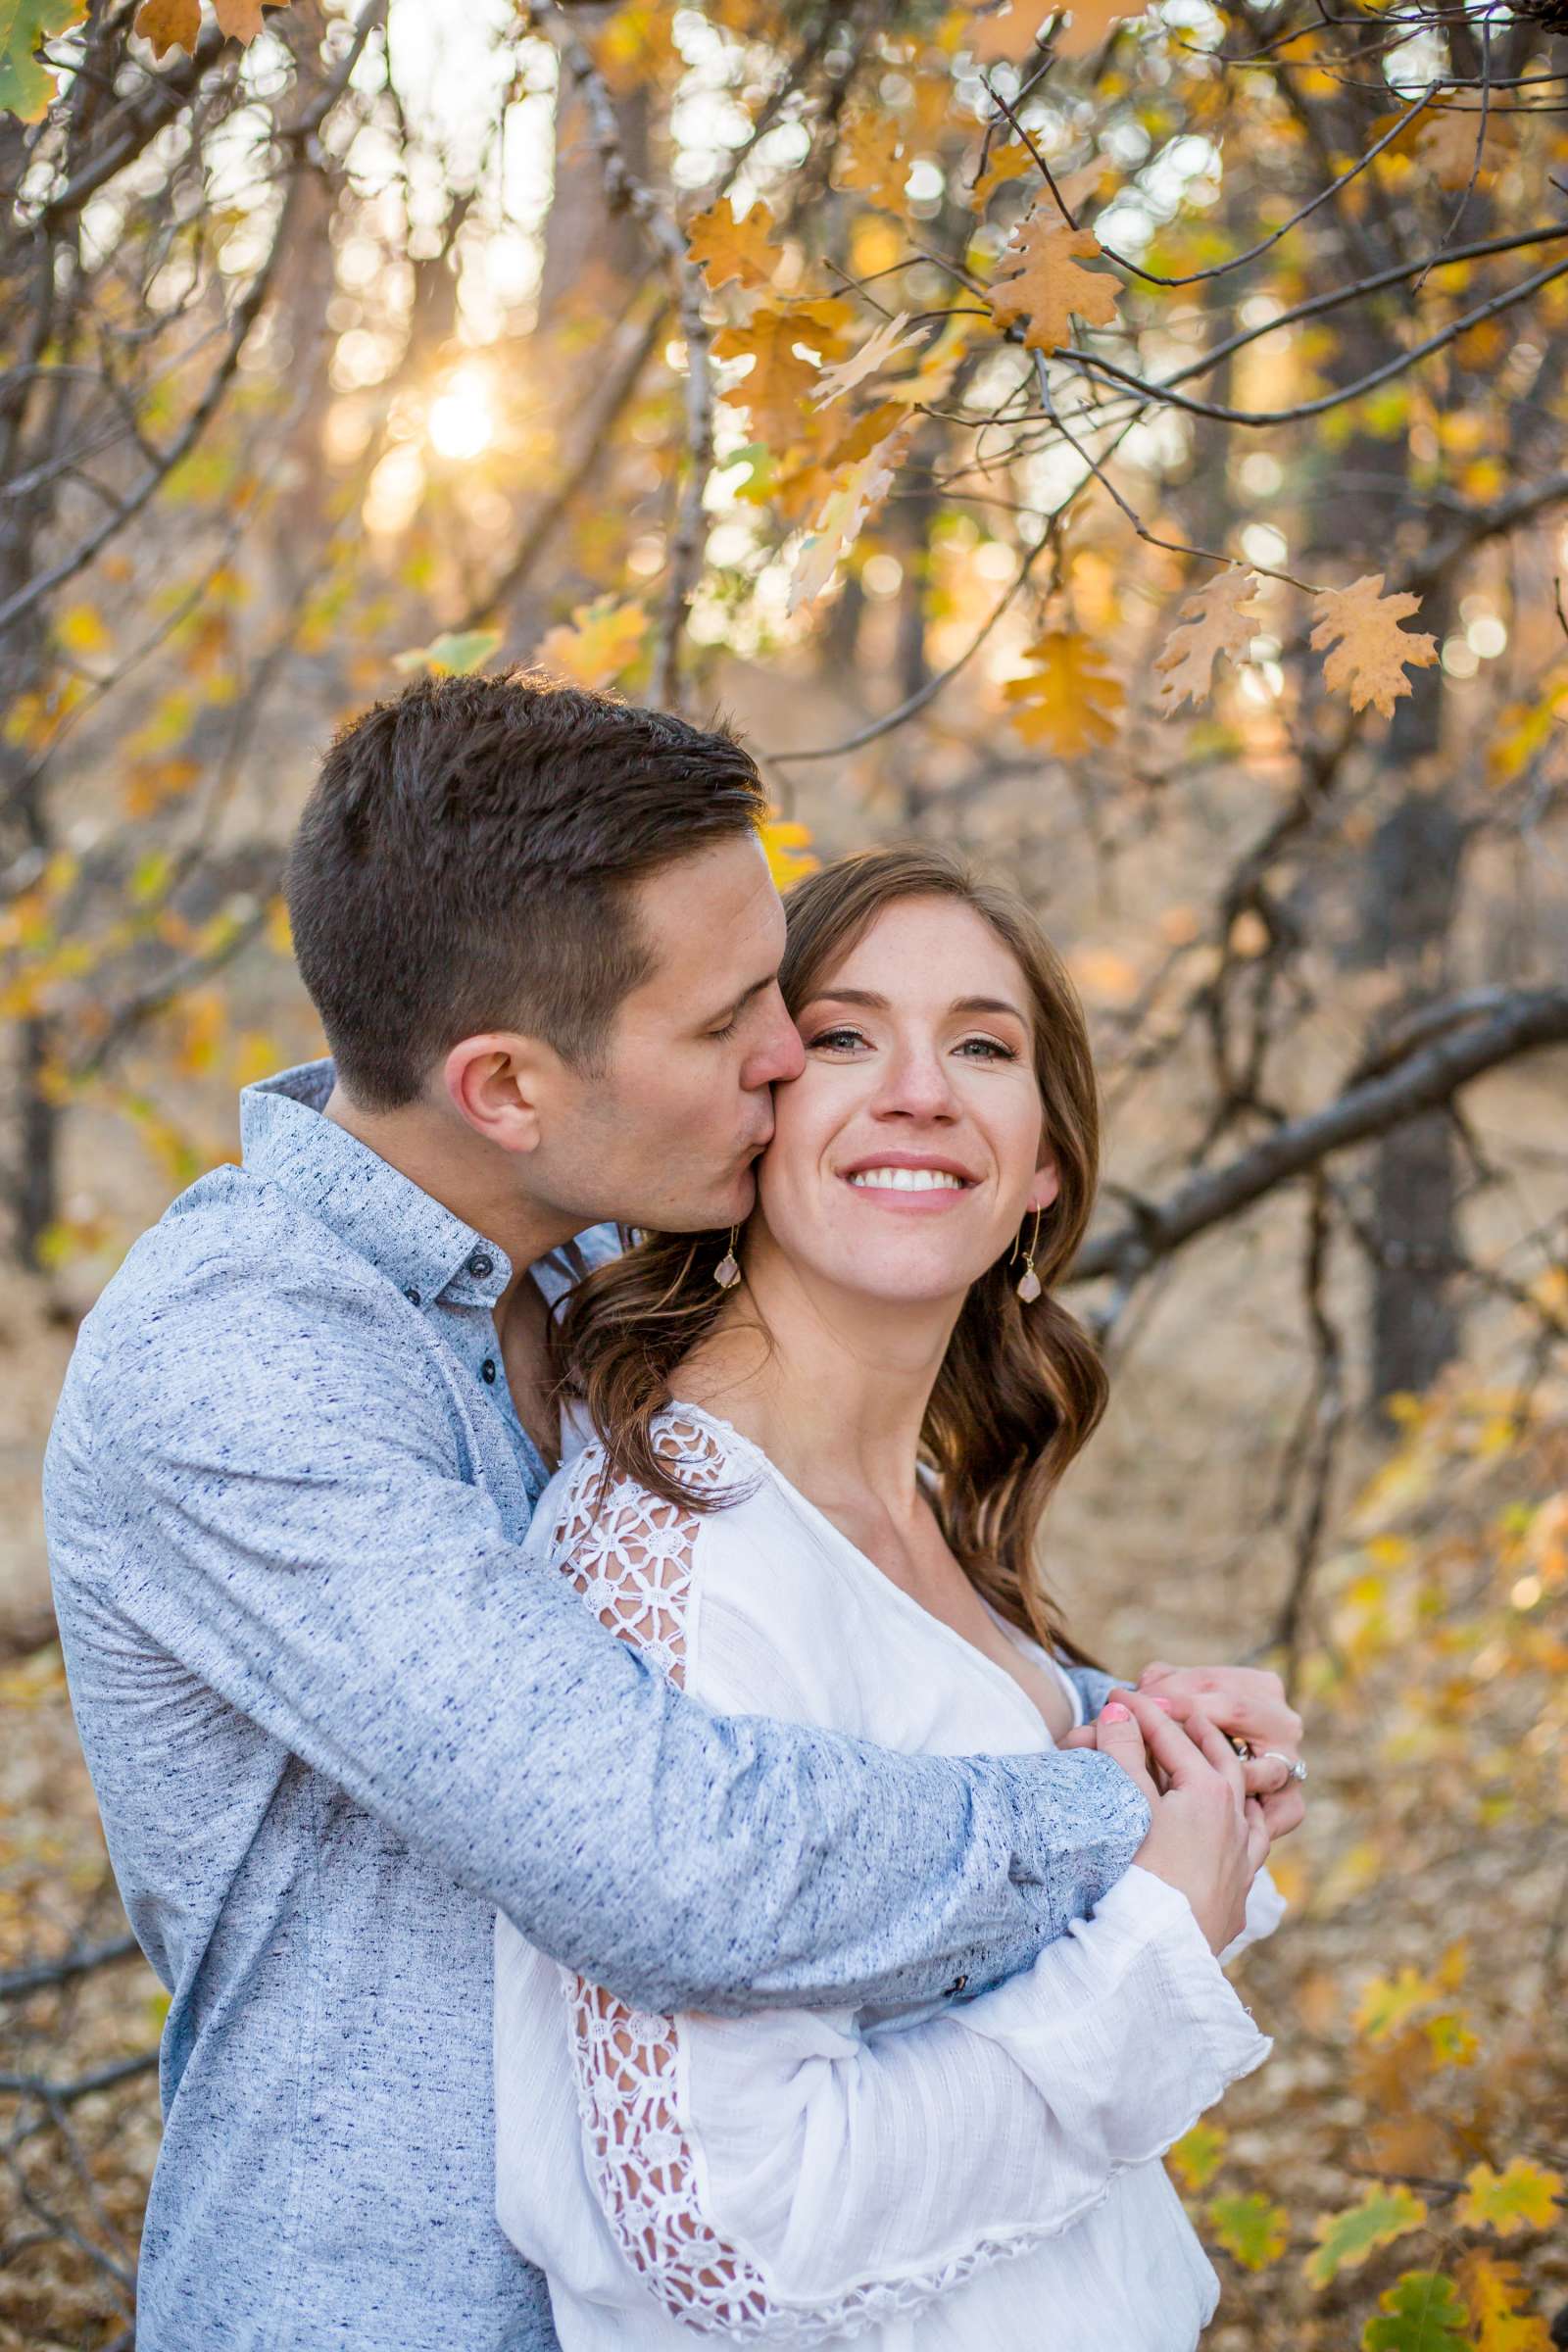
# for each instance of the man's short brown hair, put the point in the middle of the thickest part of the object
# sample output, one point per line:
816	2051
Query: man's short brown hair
464	859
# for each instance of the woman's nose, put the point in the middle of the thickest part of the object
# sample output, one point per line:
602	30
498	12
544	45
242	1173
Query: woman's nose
915	1084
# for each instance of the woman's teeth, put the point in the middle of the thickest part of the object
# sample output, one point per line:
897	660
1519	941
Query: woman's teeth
909	1180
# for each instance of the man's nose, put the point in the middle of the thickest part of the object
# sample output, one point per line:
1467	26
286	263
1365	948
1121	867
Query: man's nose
781	1057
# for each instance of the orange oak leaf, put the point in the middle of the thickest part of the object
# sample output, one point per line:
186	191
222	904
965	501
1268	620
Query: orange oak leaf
845	514
1373	652
170	24
1456	146
1048	286
1008	38
239	20
874	352
724	248
1091	20
870	158
1012	161
1069	702
775	392
1217	619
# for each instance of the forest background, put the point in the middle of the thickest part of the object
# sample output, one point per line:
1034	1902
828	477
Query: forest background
1127	445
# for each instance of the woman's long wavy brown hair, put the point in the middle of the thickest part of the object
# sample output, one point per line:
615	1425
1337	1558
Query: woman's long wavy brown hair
1020	1387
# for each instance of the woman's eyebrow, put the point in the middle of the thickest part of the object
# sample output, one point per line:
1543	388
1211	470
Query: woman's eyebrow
986	1004
876	1004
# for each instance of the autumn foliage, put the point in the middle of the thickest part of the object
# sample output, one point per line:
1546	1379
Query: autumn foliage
1125	442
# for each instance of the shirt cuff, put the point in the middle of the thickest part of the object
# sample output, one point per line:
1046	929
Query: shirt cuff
1159	1916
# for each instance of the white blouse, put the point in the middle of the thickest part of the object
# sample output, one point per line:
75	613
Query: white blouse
974	2174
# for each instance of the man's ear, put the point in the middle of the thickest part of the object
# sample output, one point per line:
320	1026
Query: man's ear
498	1085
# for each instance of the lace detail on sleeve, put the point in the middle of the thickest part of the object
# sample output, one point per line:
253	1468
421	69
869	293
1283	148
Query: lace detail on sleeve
630	1554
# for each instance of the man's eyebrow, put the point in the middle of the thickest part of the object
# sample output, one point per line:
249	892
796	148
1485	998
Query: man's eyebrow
876	1004
737	1004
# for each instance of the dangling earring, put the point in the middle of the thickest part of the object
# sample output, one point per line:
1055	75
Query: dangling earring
727	1272
1029	1280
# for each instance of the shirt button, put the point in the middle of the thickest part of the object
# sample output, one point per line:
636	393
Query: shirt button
488	1371
413	1298
957	1987
480	1265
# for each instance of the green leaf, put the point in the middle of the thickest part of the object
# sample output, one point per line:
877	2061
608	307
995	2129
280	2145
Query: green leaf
1422	2312
1250	2229
1346	2238
1196	2156
456	653
27	88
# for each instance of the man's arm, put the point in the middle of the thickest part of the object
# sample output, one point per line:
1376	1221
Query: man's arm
294	1528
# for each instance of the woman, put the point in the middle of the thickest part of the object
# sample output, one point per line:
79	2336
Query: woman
822	1451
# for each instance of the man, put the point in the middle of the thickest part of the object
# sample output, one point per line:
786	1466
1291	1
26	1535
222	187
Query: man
333	1719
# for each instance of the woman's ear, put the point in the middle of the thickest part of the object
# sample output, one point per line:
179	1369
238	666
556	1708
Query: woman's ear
1046	1186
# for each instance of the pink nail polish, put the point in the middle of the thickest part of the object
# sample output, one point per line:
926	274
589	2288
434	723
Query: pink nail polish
1115	1712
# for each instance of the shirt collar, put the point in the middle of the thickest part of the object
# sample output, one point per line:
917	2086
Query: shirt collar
380	1213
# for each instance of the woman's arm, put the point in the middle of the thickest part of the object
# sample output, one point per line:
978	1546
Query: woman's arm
785	2177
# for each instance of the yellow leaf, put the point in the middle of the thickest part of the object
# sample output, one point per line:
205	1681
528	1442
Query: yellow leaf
1069	702
1522	2196
1048	286
1195	2158
1345	2240
1218	620
1388	2001
1450	2039
81	630
170	24
1373	652
604	639
1492	2290
788	848
1251	2231
844	515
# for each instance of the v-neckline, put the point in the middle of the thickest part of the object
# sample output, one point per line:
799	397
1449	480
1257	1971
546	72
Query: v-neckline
867	1567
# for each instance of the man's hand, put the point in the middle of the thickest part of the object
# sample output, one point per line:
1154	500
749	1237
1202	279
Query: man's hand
1248	1704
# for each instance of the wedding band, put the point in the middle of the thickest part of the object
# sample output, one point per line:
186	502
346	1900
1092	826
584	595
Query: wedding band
1293	1766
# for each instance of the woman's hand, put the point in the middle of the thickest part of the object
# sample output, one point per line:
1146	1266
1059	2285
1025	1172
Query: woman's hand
1207	1838
1247	1703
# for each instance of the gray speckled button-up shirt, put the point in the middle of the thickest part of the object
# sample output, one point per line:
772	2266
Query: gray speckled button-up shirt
333	1721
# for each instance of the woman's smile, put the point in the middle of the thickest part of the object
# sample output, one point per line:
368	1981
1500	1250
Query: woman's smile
908	1182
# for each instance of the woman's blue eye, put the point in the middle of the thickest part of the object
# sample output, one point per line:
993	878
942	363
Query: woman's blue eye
989	1045
838	1037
